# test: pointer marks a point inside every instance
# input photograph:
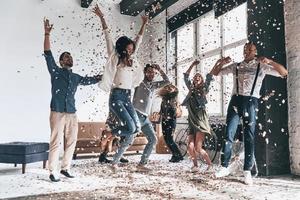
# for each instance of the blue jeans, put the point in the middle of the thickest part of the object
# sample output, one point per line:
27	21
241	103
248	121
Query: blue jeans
123	147
149	132
240	107
120	104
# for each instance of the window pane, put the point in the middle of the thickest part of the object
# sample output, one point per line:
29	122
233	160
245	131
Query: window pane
185	42
236	55
171	57
171	50
214	97
209	33
235	24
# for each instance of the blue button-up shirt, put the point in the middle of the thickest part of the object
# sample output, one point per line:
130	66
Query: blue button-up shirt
64	85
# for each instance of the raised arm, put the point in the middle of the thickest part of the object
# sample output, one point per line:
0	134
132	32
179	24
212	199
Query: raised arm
139	37
145	20
187	74
47	28
165	81
195	63
89	80
109	42
278	67
52	67
218	67
208	79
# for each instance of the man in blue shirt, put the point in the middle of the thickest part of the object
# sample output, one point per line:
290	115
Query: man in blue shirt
63	119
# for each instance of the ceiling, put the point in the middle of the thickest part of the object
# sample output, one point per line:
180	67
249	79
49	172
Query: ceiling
153	7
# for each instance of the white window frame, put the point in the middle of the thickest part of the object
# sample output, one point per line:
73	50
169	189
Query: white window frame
200	56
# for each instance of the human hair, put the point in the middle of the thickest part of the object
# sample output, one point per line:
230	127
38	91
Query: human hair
250	43
147	67
63	54
198	74
168	92
121	45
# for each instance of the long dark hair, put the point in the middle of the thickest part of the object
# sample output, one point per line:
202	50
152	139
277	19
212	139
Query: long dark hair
121	45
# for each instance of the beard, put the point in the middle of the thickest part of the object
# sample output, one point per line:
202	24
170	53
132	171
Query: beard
69	64
149	79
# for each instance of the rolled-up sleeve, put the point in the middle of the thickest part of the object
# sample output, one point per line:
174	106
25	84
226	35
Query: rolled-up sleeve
208	80
187	80
51	65
269	70
159	84
228	69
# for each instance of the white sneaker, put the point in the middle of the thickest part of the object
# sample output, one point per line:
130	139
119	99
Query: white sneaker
248	178
224	171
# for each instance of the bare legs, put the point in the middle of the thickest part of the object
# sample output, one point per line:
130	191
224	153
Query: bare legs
195	149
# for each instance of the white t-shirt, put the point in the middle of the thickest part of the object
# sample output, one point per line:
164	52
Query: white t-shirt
123	78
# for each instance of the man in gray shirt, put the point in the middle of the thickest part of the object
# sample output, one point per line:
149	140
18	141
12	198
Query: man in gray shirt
142	102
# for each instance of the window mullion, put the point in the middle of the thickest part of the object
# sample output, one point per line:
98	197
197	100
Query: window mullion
176	57
196	39
222	32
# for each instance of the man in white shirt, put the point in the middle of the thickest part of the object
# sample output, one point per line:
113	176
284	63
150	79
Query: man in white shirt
247	80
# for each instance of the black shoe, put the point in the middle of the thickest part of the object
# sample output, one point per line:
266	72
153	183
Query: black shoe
124	160
53	179
103	159
66	173
176	159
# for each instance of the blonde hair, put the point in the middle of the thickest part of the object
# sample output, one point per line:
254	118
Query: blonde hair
168	91
198	74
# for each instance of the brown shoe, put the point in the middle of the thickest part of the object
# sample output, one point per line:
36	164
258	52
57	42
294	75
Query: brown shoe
142	168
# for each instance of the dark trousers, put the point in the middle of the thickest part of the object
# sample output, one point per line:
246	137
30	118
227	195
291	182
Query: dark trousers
168	128
243	107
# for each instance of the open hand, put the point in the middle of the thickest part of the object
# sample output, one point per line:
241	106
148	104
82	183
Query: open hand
225	60
145	19
47	26
97	11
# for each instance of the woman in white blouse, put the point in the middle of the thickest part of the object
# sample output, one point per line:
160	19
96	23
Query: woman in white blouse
121	74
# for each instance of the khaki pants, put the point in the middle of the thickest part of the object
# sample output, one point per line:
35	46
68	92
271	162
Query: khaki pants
64	130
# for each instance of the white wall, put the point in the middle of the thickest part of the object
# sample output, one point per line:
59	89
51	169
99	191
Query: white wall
292	30
25	82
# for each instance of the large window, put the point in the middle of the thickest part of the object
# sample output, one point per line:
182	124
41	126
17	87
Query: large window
207	39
